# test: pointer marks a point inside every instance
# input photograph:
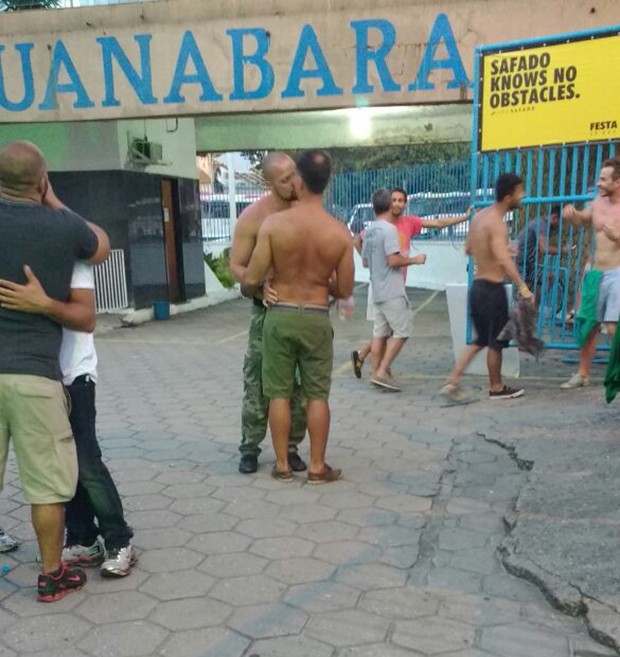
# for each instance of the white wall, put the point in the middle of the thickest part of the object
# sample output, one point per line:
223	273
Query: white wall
446	263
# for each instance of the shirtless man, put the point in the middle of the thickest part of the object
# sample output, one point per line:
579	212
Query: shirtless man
310	256
487	242
603	214
278	170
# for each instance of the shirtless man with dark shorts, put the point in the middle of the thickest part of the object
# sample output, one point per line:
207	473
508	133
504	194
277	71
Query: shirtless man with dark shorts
487	242
310	256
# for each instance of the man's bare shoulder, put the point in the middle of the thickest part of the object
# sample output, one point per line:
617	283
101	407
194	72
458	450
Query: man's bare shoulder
253	216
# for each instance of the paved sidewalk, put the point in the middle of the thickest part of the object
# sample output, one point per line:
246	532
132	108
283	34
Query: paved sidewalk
399	559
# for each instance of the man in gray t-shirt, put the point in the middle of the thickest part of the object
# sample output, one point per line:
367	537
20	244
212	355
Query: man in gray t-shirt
38	231
392	325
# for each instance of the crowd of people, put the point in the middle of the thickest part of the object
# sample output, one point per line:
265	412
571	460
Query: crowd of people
291	258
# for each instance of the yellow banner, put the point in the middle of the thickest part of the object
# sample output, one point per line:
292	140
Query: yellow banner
556	94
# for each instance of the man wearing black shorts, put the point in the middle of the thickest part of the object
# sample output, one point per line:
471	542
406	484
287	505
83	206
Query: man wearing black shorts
487	243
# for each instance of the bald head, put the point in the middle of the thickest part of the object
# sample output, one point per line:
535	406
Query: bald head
274	163
22	166
279	172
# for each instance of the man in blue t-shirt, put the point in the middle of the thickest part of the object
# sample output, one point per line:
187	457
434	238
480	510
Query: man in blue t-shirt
38	232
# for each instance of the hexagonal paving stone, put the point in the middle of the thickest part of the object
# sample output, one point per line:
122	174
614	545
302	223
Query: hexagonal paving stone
186	491
350	500
433	635
327	531
161	561
152	519
212	642
266	527
173	476
196	505
380	650
523	639
276	548
44	632
153	539
234	565
146	502
480	610
401	603
191	613
220	543
238	494
390	536
252	590
347	552
256	509
301	569
403	503
370	576
181	584
202	523
322	596
124	639
465	506
364	517
459	539
116	607
291	646
458	581
297	495
308	512
348	628
268	620
22	603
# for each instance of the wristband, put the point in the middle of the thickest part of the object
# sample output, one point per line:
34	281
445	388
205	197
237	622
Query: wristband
524	288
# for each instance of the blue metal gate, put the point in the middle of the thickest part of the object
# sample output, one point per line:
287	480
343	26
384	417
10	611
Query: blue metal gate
553	176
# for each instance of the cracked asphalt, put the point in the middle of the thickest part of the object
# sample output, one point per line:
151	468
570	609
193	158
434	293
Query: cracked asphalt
410	555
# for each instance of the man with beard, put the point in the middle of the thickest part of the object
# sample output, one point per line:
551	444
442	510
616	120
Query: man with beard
487	242
603	214
279	172
408	227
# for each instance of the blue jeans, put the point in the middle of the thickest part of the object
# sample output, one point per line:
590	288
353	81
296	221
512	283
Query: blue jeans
96	496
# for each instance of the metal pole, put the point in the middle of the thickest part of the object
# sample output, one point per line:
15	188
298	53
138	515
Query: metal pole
232	192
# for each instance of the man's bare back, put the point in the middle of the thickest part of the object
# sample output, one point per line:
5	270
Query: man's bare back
307	246
487	242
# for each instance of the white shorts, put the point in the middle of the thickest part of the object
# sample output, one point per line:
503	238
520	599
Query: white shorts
608	308
393	318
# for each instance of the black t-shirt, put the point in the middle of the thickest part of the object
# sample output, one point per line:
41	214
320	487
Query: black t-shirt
49	241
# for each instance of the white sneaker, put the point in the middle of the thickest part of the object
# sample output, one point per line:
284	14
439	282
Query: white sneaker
118	563
576	381
7	542
83	555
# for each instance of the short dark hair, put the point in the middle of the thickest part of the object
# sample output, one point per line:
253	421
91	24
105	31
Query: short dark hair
613	163
315	168
555	209
400	190
506	184
381	201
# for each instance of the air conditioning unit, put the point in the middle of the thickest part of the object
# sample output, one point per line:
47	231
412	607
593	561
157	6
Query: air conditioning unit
142	151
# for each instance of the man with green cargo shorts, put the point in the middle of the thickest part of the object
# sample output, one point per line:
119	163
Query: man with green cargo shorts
307	254
278	171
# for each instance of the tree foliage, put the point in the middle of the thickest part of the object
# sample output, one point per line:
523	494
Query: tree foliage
364	158
21	5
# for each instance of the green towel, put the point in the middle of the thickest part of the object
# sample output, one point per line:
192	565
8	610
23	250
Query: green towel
586	318
612	376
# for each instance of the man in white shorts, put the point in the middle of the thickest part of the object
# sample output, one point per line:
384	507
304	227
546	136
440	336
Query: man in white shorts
392	312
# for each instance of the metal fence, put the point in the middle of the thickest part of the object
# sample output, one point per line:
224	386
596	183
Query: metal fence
434	190
111	283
